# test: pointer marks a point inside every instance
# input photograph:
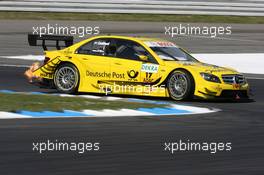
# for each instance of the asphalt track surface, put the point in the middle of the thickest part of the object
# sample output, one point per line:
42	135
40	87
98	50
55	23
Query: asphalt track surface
134	145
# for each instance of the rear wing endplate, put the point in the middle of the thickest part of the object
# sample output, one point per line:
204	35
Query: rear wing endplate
33	41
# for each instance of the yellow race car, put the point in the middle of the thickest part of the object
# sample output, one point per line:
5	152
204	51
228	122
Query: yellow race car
133	66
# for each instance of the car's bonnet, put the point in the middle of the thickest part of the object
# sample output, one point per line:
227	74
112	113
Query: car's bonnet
201	67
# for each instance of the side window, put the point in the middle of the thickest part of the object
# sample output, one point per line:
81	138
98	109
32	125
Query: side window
95	47
131	50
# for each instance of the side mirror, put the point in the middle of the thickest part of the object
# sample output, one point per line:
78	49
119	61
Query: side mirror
143	57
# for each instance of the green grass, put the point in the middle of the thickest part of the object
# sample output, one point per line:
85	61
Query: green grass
17	102
131	17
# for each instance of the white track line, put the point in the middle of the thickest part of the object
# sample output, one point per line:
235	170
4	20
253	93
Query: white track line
14	65
90	96
251	63
113	98
196	110
25	57
221	38
113	113
8	115
255	78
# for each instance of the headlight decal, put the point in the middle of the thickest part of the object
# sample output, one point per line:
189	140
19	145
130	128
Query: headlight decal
210	77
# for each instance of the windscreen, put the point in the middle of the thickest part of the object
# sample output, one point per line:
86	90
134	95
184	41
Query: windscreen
168	51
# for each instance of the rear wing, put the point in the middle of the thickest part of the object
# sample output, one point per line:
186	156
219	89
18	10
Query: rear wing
33	41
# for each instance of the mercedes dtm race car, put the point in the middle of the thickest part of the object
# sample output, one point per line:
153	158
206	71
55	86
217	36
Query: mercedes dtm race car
132	66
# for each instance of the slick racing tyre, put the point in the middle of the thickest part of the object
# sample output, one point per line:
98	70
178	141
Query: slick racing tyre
180	85
66	78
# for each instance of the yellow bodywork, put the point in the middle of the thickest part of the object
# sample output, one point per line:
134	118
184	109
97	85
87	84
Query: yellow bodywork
100	74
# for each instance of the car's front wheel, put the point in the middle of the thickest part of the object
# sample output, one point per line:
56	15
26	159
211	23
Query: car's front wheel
180	85
66	78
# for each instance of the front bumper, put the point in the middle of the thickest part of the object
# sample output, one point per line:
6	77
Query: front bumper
222	90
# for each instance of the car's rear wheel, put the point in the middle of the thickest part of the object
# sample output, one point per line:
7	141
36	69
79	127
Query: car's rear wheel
180	85
66	78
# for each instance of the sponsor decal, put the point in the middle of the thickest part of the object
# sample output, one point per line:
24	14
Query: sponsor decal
150	68
102	43
98	74
160	44
105	74
214	68
187	63
68	51
132	74
236	86
98	51
148	78
118	75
